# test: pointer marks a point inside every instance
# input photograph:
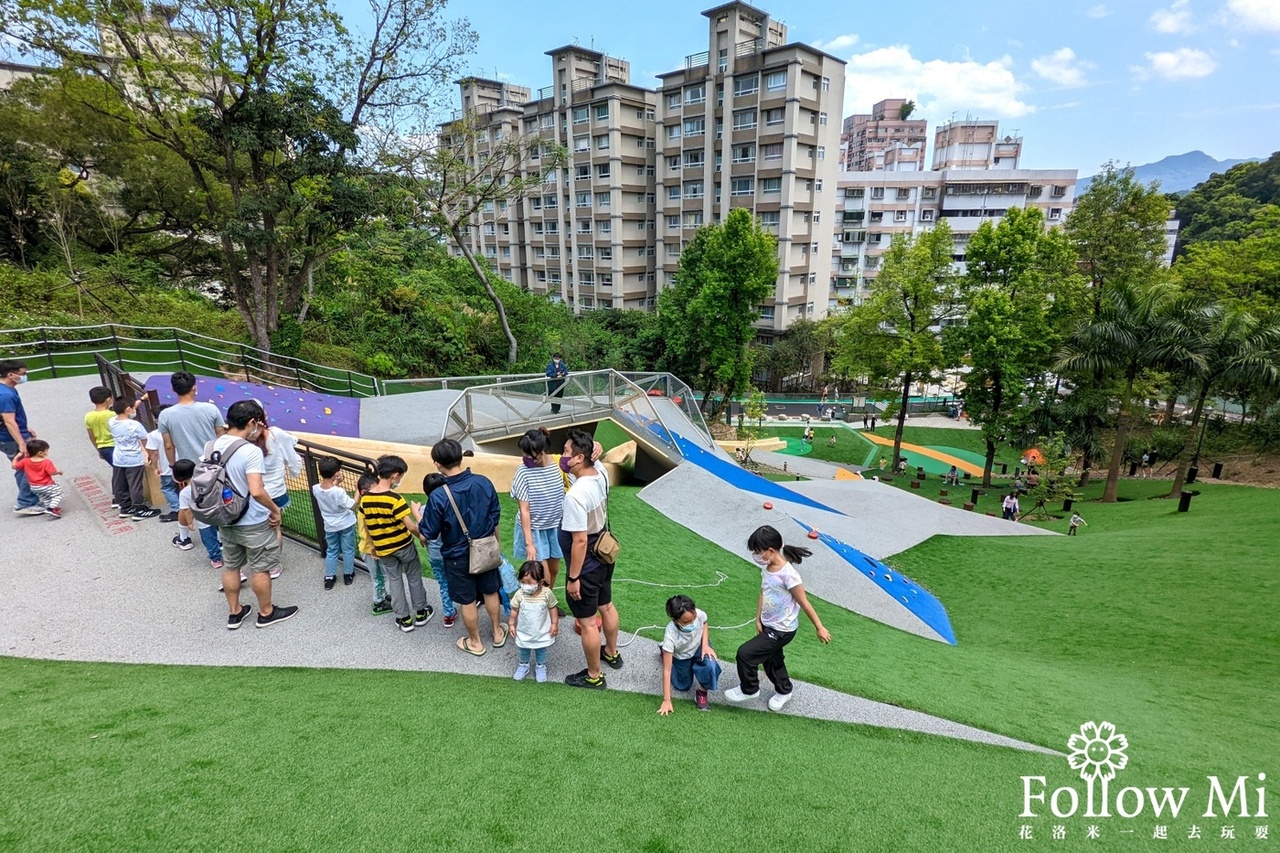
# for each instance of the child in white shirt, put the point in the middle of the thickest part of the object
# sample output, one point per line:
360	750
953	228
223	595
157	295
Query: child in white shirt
687	655
335	505
159	462
183	470
534	620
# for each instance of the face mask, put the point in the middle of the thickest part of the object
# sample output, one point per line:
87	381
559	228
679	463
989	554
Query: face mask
564	464
529	588
688	629
22	379
760	559
530	463
253	436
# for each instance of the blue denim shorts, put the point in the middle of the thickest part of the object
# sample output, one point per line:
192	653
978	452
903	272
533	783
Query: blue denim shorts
546	541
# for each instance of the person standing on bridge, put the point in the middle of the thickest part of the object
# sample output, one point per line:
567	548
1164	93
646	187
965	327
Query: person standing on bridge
16	433
557	373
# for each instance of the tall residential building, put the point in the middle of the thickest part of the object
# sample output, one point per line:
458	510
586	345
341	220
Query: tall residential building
748	122
974	144
867	139
874	206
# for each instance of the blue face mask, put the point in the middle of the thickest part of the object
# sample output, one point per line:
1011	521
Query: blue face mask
22	379
688	629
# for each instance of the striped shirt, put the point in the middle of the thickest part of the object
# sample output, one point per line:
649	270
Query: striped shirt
543	488
384	514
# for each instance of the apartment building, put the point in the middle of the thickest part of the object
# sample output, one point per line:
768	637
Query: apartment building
748	122
883	139
968	188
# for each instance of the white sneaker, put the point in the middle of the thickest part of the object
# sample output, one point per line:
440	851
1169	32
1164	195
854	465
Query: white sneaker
778	701
540	673
521	671
737	697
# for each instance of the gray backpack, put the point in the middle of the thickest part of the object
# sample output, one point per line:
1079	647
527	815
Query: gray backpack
214	498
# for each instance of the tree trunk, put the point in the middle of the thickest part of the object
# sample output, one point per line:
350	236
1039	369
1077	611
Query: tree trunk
512	346
997	399
902	419
1122	436
1169	409
1086	465
1180	475
990	463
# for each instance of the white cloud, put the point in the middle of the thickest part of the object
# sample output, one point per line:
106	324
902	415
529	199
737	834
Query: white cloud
939	86
1099	11
1061	67
1185	63
837	44
1175	19
1258	14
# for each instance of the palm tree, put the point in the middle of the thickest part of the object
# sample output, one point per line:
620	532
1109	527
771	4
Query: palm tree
1225	345
1125	337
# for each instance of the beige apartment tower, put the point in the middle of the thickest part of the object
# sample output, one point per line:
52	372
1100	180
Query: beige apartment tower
883	139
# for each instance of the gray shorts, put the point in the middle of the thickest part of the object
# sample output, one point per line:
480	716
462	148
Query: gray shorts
252	547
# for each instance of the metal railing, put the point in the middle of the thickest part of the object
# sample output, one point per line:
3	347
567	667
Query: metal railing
697	60
55	351
301	519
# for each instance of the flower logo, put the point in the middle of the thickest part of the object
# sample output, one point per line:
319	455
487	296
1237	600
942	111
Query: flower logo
1097	751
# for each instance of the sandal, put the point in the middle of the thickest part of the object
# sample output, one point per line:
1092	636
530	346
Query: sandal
505	635
463	645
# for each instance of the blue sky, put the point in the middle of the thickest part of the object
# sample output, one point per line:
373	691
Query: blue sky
1083	82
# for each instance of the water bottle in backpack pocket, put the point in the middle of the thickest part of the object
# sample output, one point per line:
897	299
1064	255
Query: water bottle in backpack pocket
215	501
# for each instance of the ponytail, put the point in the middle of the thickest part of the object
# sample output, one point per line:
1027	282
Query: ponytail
766	537
795	554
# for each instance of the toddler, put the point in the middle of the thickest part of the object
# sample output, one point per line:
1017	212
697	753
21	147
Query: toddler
381	601
687	655
534	621
335	505
183	470
40	472
1075	523
128	462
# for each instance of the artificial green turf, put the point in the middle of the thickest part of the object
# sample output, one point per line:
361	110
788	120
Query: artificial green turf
1159	622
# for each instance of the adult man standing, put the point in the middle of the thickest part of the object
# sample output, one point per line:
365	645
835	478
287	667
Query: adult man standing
16	432
588	580
477	502
250	545
187	426
557	372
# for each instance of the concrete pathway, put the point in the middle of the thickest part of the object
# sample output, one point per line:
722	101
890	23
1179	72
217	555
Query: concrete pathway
92	587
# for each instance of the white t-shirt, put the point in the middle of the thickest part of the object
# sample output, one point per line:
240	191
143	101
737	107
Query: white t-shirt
681	645
128	436
155	441
187	501
781	611
247	460
335	507
584	504
533	625
281	455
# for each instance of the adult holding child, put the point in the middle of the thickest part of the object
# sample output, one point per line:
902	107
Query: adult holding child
16	432
588	579
463	509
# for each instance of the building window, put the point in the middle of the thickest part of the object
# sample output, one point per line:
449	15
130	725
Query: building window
774	117
744	119
1055	213
776	81
582	173
744	153
903	194
584	226
746	85
695	159
822	119
766	312
696	94
673	132
604	226
673	101
673	192
584	200
673	163
553	229
606	279
899	216
602	170
770	219
854	192
1035	192
602	142
585	252
606	253
536	203
549	202
695	126
742	186
1059	191
772	151
693	219
693	189
877	192
579	115
770	186
926	216
587	278
548	120
817	185
929	192
826	84
602	112
673	221
581	143
722	59
719	128
603	199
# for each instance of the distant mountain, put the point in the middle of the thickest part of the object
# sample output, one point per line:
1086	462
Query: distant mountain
1176	173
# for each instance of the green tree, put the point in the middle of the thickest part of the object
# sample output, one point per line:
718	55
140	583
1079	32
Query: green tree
894	333
1246	268
796	352
1218	208
725	274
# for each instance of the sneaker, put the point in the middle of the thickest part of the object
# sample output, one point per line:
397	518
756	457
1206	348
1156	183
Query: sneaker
449	621
383	606
234	619
347	580
581	679
328	582
149	512
540	673
778	701
28	510
521	671
183	544
54	512
125	513
422	617
243	580
614	662
278	614
274	574
700	699
168	517
115	505
405	624
215	564
736	696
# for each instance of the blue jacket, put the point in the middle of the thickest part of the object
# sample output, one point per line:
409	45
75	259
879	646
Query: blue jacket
477	501
553	373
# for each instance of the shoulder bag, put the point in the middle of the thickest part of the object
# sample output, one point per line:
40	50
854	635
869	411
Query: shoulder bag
606	547
485	553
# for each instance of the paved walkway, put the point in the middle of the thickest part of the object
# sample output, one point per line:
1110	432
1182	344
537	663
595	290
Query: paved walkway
106	589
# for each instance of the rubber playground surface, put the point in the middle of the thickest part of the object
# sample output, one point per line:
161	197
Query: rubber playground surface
933	459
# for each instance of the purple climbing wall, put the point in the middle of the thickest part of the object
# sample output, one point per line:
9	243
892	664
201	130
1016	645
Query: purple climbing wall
294	410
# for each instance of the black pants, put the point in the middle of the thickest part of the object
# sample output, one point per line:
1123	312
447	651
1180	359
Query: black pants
127	488
764	648
555	388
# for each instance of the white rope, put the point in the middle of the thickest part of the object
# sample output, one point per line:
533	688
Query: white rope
721	577
636	633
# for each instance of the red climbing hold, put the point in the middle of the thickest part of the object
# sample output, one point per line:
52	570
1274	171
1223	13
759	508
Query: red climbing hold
768	505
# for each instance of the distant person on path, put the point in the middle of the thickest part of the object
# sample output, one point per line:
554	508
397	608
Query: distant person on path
182	471
17	432
557	372
1010	506
588	579
873	423
782	598
96	422
687	655
477	503
1146	465
250	545
158	461
129	462
1075	523
335	505
40	471
534	620
538	489
393	528
378	583
864	421
187	425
